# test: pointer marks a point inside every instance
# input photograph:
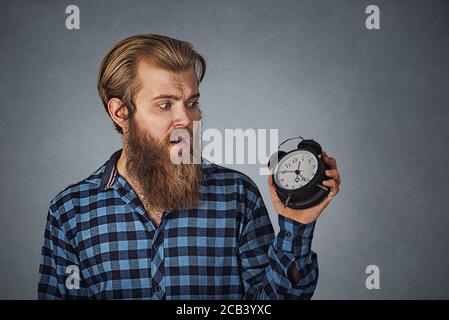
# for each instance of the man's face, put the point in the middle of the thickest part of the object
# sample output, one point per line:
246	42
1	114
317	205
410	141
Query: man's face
166	101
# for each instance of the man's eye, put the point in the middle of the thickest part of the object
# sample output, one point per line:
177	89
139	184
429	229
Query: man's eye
164	105
193	104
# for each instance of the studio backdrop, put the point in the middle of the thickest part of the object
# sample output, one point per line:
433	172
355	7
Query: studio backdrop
369	80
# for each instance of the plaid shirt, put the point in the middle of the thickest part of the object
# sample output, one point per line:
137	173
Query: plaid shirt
223	249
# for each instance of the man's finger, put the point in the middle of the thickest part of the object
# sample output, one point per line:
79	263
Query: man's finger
333	185
329	160
334	174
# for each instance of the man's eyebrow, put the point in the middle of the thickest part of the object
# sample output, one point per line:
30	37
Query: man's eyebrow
173	97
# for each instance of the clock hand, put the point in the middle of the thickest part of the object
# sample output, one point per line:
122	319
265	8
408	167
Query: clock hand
298	173
288	171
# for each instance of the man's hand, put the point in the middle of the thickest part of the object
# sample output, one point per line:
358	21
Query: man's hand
309	215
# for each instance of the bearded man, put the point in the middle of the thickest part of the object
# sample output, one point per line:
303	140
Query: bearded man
145	227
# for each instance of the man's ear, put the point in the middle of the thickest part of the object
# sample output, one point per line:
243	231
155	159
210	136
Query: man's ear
118	113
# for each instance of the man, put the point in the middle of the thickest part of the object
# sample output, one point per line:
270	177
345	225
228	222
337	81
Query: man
143	227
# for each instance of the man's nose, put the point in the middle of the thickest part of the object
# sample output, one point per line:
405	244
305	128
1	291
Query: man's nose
181	117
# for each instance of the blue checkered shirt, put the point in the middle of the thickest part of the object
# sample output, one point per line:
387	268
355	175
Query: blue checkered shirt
223	249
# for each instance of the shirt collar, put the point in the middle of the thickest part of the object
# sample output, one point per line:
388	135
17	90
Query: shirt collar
110	171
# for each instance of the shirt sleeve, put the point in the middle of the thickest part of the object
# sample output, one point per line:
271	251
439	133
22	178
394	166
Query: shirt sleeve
59	275
265	258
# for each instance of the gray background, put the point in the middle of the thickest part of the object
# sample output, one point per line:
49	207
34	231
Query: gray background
376	100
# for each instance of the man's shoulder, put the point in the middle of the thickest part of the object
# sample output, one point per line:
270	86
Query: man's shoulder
220	175
78	193
226	180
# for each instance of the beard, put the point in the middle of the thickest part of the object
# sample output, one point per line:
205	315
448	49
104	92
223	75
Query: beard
163	184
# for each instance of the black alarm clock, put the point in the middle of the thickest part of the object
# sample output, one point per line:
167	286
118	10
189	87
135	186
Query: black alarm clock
298	174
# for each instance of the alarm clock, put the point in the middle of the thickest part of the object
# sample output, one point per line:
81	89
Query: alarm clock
298	174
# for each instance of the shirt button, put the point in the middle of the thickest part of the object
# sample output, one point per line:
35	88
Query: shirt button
287	235
159	240
158	288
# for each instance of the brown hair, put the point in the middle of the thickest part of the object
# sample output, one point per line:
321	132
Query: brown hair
117	75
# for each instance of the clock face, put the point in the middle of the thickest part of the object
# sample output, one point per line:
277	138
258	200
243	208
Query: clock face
296	169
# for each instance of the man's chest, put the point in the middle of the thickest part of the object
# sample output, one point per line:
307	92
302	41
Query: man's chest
200	243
